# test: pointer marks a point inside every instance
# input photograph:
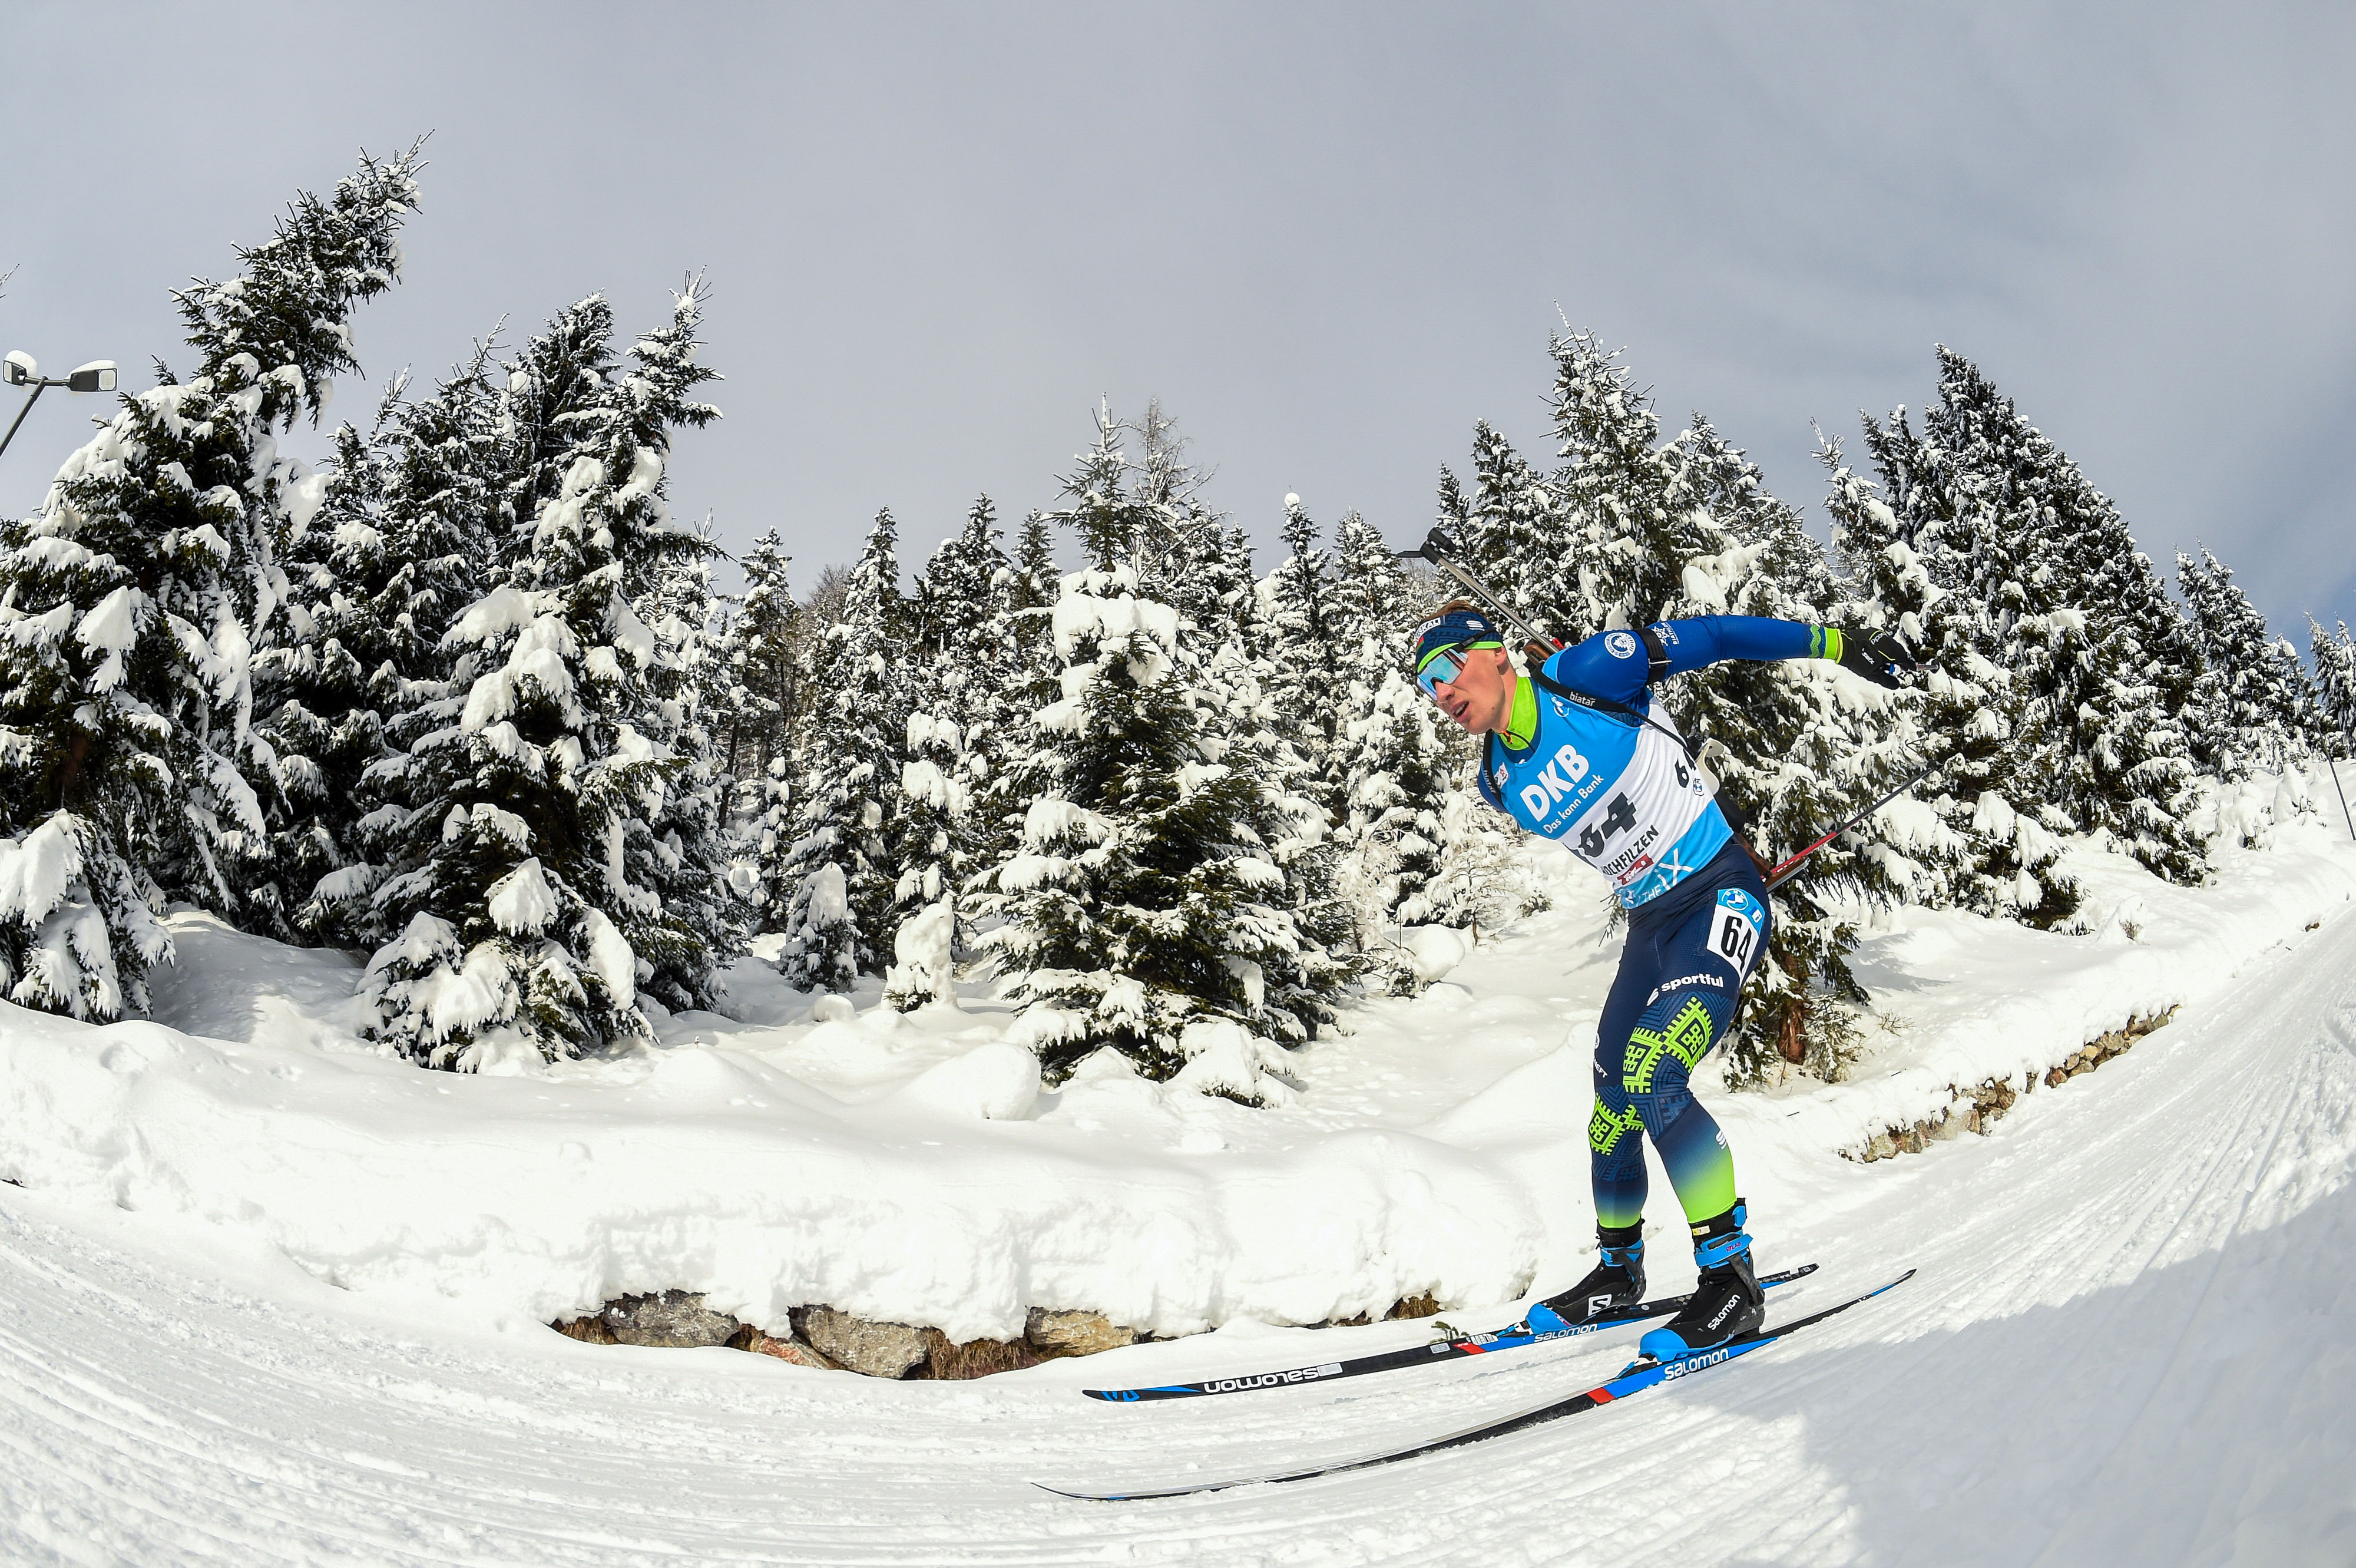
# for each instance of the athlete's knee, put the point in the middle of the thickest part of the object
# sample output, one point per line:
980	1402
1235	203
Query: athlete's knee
1614	1130
1684	1020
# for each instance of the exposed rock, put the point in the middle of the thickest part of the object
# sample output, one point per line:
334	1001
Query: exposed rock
1424	1306
1075	1333
855	1344
1977	1109
950	1361
787	1350
589	1330
673	1320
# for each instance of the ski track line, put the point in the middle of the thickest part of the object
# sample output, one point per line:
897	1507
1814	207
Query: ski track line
154	1415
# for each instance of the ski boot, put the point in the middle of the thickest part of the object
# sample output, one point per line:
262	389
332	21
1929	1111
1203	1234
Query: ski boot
1727	1302
1617	1281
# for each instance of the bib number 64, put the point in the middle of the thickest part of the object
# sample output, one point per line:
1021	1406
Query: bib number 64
1734	937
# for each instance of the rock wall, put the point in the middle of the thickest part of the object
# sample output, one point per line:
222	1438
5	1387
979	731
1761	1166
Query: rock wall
822	1337
1975	1109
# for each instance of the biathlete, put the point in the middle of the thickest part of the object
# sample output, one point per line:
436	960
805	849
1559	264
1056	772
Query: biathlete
1580	753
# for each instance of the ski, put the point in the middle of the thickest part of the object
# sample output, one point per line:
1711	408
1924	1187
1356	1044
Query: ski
1448	1349
1639	1376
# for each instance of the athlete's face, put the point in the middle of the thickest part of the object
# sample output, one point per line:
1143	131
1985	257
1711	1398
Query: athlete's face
1481	696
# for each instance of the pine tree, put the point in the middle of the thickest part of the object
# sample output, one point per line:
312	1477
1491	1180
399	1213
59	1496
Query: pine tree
555	847
1513	534
1110	524
953	746
1794	746
844	863
2114	673
1147	905
1978	832
1306	700
1022	625
679	852
128	606
933	805
2335	686
2260	705
762	654
1388	783
399	548
1398	768
1620	538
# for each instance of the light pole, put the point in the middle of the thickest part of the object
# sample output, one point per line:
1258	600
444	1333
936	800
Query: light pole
19	371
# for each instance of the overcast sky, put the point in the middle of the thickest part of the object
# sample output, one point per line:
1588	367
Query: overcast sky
1328	239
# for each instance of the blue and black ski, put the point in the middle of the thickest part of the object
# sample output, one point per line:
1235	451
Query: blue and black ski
1447	1349
1639	1376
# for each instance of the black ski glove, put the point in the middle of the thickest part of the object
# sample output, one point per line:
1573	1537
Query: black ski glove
1879	658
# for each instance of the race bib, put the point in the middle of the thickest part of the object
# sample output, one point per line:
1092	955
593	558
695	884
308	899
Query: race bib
1735	930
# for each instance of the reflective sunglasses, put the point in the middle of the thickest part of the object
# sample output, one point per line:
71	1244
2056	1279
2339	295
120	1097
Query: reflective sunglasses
1445	666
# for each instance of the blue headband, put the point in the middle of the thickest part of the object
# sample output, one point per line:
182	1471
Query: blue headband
1457	628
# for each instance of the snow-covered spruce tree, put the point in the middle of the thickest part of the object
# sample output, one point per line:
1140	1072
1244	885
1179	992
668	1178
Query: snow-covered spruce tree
1031	592
399	548
1797	747
2110	684
1387	782
1514	533
844	863
128	604
1624	535
1000	777
967	657
933	804
681	850
1243	728
547	867
761	653
972	656
1305	698
1481	877
2260	705
2335	686
1979	831
1399	769
1146	910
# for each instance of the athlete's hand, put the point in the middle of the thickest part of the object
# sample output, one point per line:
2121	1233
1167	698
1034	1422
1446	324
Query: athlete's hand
1879	658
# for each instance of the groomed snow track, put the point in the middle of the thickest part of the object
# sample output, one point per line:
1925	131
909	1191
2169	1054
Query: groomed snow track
2129	1343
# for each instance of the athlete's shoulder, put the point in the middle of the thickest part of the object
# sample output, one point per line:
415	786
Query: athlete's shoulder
1609	664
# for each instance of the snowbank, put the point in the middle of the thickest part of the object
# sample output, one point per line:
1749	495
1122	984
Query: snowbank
911	1168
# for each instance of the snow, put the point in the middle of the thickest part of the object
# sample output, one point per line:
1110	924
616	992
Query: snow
112	625
521	903
267	1294
38	870
303	495
1435	950
925	947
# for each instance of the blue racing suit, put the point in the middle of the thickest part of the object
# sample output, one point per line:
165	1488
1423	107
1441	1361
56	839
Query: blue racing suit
1617	788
